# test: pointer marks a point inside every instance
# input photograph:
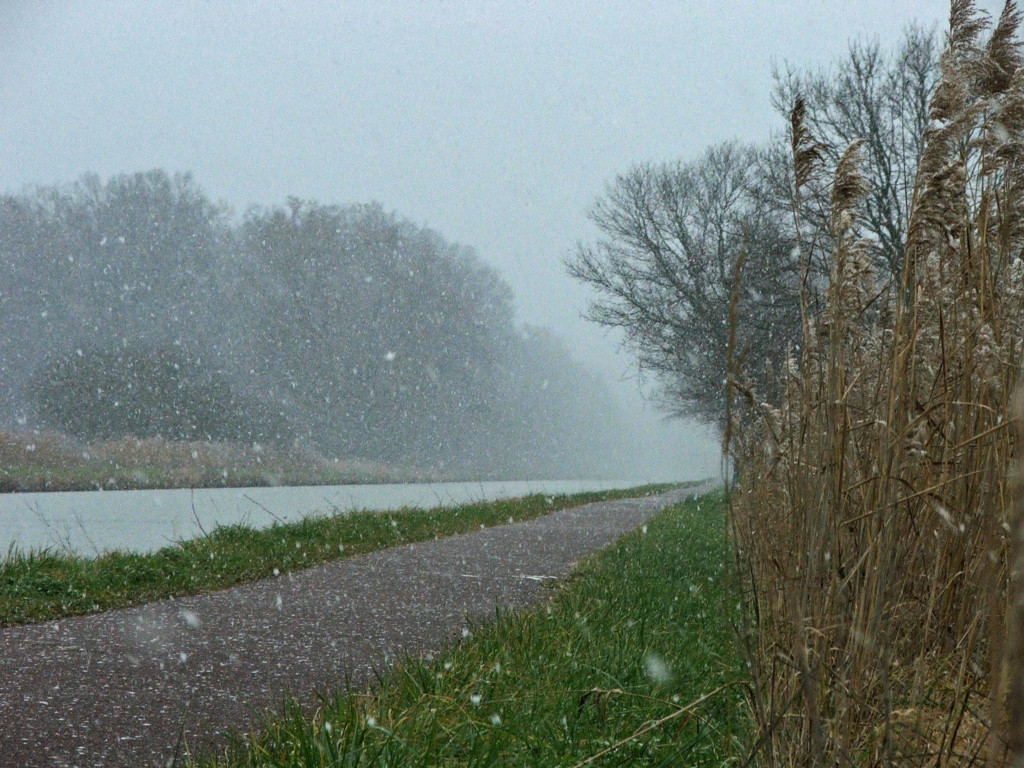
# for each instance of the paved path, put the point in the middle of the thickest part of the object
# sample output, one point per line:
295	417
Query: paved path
124	687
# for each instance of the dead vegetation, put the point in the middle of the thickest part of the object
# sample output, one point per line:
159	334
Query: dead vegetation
48	461
873	516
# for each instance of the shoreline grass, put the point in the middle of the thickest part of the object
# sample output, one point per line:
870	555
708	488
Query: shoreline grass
633	661
61	480
44	585
49	461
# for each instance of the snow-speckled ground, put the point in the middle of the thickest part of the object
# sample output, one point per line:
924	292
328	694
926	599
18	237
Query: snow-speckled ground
130	687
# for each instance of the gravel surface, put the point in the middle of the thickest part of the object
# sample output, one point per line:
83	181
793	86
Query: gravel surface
135	687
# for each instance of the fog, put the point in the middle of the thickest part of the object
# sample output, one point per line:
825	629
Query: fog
481	131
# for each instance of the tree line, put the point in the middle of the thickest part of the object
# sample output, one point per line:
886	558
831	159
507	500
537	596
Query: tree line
137	306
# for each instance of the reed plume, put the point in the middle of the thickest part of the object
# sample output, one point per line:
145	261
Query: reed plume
872	505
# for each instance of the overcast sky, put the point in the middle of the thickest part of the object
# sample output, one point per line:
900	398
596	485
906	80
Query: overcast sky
497	124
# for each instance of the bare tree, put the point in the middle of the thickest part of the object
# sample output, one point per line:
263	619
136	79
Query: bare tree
880	98
671	235
664	268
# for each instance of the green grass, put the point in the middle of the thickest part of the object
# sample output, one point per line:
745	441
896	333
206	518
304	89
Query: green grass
45	585
609	669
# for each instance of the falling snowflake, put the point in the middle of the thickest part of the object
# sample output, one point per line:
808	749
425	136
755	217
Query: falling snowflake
657	669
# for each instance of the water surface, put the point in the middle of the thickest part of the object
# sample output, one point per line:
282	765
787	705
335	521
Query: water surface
92	522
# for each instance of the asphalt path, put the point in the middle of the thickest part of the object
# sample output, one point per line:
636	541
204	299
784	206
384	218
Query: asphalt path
139	686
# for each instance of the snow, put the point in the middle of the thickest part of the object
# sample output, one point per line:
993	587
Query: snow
657	669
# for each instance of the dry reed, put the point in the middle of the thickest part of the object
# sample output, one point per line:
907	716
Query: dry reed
51	461
872	505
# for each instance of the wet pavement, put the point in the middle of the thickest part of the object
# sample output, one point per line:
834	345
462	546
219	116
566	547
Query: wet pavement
140	686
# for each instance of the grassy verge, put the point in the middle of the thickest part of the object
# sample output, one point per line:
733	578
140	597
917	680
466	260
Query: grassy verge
39	586
608	673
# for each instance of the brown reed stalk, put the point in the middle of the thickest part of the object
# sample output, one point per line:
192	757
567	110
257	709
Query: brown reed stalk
871	502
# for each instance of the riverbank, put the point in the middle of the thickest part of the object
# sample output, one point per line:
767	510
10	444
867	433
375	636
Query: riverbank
142	685
43	585
91	523
51	462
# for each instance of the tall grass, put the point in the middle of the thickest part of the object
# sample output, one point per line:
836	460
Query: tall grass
872	506
48	461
